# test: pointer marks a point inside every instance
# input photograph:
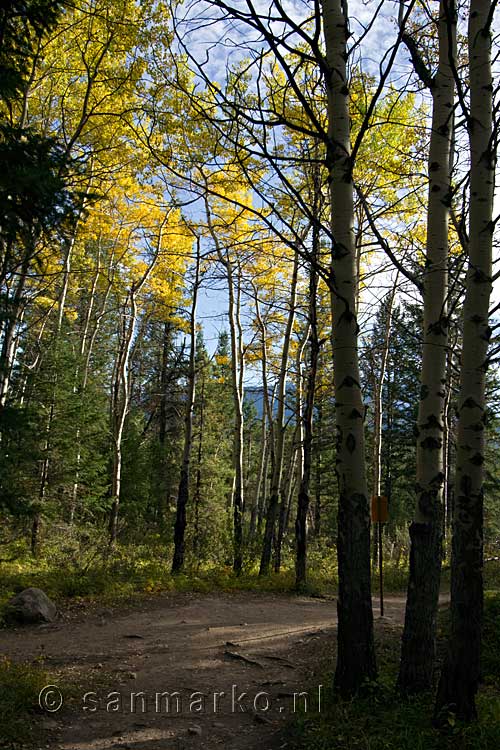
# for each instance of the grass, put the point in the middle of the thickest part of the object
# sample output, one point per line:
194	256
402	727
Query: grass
123	576
381	720
78	568
20	685
66	572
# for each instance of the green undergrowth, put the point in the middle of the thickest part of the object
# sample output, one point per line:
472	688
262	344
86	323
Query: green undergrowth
20	686
134	570
80	568
118	580
382	720
395	578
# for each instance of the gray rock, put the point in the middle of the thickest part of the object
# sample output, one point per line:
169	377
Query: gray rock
30	606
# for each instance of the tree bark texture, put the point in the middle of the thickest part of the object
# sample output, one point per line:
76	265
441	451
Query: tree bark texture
419	635
461	670
356	652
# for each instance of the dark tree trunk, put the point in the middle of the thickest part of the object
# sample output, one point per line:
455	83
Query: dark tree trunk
197	491
461	669
35	534
267	545
301	537
354	608
180	522
318	511
183	493
419	634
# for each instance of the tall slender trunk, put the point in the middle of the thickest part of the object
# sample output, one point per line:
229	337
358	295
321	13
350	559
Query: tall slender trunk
85	352
318	510
237	380
296	465
268	447
261	515
447	441
419	634
279	431
197	489
305	479
183	492
461	669
237	376
378	390
10	339
120	398
287	489
119	411
260	478
356	651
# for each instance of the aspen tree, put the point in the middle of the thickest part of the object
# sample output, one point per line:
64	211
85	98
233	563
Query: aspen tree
418	645
121	381
307	417
378	386
233	275
461	670
356	651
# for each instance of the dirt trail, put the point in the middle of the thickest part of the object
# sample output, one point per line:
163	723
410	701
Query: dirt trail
209	649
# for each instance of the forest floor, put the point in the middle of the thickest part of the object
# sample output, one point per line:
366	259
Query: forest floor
267	646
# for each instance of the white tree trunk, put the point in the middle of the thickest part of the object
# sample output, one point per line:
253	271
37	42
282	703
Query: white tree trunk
461	669
356	653
419	635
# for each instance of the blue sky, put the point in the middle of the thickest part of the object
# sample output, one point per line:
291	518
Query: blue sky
223	43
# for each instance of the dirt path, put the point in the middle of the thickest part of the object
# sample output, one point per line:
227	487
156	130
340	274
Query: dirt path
208	649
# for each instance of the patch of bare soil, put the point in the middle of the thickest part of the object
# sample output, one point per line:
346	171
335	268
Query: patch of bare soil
185	671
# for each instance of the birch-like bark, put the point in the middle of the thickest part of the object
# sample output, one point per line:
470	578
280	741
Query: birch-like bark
356	652
378	397
461	669
120	400
10	337
419	635
307	420
378	412
237	388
